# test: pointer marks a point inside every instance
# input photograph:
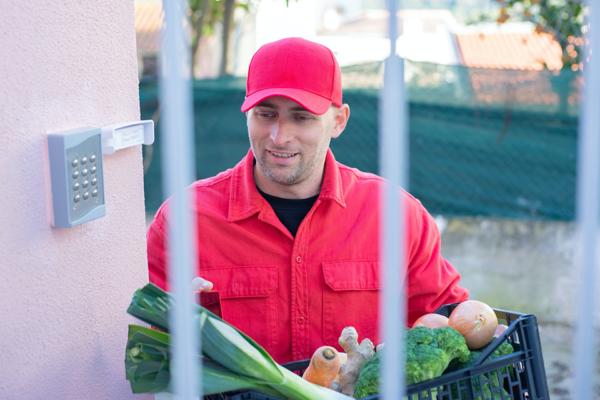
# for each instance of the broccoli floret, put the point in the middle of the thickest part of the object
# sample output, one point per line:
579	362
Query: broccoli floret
369	381
487	392
429	351
427	354
373	360
502	350
456	364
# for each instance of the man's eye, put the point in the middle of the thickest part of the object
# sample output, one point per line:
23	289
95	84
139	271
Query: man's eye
302	117
265	114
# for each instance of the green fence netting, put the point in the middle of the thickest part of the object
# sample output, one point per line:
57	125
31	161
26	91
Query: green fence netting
482	142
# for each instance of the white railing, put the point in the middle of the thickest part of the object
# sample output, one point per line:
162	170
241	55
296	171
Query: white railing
393	167
178	173
588	203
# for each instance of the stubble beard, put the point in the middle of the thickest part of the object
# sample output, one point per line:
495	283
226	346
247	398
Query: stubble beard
303	170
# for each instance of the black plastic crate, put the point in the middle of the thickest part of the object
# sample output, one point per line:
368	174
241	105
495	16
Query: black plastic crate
517	376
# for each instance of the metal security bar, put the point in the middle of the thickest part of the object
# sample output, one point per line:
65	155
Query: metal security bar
176	125
393	161
588	203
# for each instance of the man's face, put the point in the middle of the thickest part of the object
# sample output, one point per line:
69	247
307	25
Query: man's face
289	142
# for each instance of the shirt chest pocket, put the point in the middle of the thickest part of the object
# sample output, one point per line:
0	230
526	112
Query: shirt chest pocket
246	300
350	298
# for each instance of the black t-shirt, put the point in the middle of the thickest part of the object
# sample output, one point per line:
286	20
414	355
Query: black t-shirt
290	212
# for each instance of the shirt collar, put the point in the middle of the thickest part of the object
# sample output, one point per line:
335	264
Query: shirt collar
245	200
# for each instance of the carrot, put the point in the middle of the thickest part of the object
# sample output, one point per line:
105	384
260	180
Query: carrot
323	367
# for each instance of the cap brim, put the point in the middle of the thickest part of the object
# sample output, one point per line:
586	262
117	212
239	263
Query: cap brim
310	101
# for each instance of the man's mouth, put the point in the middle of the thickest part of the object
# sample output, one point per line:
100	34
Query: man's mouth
282	155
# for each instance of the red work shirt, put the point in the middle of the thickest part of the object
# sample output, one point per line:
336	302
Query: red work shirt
293	295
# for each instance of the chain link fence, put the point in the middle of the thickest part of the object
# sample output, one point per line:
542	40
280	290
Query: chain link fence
483	142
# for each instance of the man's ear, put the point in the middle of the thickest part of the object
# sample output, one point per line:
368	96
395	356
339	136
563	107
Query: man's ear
340	119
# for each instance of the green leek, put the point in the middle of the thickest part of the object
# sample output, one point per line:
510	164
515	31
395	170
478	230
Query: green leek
231	360
147	366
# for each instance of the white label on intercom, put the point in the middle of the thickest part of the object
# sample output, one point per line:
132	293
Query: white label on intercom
130	136
126	134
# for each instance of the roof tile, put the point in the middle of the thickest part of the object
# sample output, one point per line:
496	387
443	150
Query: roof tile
148	19
523	51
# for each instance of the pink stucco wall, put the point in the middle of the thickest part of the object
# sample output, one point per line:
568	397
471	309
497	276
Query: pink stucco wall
64	292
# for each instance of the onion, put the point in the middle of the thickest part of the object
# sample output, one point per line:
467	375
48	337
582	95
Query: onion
500	330
432	321
475	321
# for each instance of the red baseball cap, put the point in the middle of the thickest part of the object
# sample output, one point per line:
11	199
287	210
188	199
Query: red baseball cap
298	69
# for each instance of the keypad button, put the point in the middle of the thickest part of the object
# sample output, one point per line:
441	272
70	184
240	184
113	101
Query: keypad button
86	196
84	161
84	172
94	181
75	162
77	198
95	193
93	170
93	158
85	184
75	174
76	186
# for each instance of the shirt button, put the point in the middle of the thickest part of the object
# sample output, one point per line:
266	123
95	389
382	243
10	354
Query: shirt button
300	320
298	259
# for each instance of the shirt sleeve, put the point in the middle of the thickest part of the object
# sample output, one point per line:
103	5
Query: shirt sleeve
432	281
156	240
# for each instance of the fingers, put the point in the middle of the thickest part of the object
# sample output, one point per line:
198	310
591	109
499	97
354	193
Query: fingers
199	284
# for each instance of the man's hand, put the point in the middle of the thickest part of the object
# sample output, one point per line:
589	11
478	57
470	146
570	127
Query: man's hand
199	284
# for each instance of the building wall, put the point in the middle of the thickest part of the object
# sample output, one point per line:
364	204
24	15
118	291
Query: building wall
519	265
64	292
530	267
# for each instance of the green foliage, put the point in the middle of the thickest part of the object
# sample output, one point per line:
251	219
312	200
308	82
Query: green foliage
215	14
204	14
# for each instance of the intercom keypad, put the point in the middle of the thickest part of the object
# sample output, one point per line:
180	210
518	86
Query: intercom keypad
77	178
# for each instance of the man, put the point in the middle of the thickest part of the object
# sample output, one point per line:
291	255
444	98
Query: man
289	237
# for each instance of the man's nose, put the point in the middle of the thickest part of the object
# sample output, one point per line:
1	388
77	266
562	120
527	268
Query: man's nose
281	134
